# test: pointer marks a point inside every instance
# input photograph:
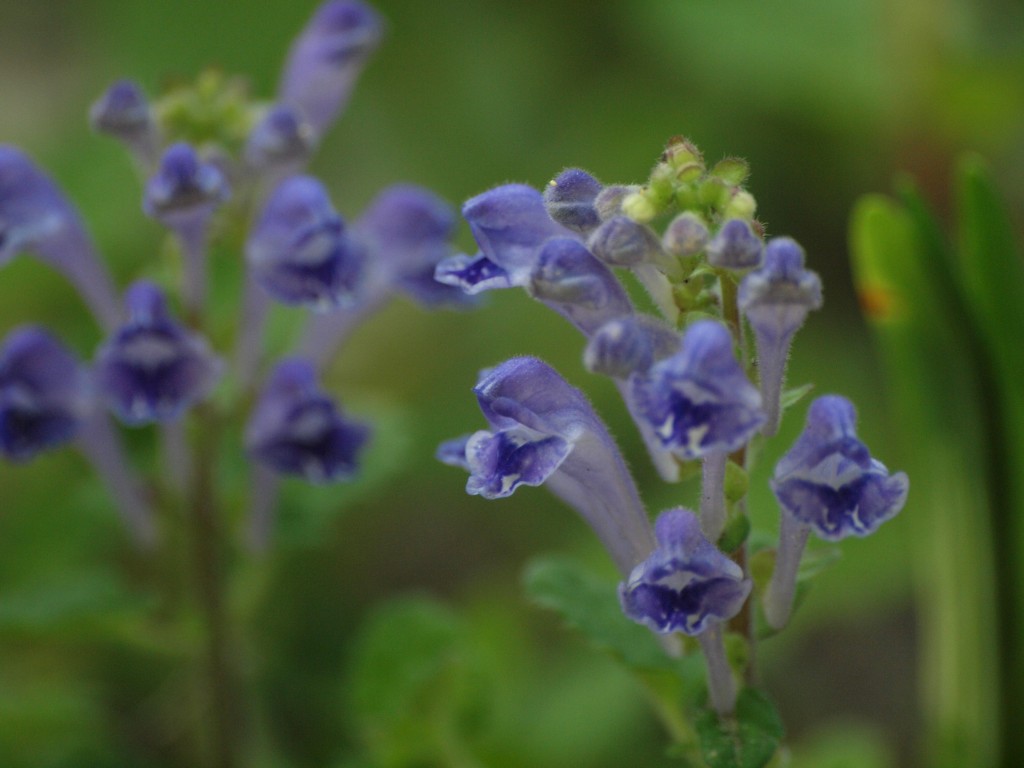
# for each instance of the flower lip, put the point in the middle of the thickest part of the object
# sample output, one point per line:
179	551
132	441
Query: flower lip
828	479
510	223
699	401
296	429
777	297
543	430
44	394
685	584
152	369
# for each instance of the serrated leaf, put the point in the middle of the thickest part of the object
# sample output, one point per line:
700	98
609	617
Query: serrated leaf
747	740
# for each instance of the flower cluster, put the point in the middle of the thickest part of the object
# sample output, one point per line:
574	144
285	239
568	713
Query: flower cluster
702	382
156	364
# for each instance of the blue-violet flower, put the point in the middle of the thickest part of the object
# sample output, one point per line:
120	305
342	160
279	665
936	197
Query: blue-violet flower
699	401
300	251
43	394
570	197
296	429
152	369
735	246
776	299
827	483
326	59
544	431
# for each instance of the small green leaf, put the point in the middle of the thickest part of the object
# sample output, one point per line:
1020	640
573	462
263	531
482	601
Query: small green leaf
747	740
791	397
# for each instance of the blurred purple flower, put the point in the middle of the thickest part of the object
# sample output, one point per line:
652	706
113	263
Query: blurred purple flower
184	187
36	216
43	394
326	60
296	429
300	251
152	369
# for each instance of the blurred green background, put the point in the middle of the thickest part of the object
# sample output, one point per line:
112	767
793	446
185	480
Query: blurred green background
827	99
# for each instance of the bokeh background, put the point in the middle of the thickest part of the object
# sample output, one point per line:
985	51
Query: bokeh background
827	99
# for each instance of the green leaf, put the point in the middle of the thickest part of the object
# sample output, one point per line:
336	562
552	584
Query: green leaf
747	740
791	397
409	682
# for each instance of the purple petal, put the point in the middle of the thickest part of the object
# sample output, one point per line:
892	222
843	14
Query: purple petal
300	251
630	344
686	583
777	297
326	60
472	274
152	369
568	278
43	394
828	479
296	429
499	463
280	139
699	401
510	223
570	197
735	246
184	185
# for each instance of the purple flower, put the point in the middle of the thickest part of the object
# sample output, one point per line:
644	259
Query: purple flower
407	230
568	279
296	429
300	251
124	113
510	223
776	299
629	344
829	483
735	246
36	216
622	242
570	197
183	187
43	394
281	139
685	584
828	479
542	430
326	59
152	369
699	401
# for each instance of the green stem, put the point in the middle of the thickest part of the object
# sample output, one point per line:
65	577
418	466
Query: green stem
209	577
